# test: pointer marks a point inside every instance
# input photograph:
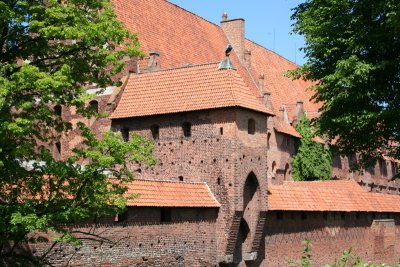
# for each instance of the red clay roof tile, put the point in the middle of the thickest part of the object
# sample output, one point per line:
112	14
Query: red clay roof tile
171	194
329	196
185	89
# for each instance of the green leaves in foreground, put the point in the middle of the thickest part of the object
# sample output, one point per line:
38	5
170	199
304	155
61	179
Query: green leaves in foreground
312	160
49	52
353	57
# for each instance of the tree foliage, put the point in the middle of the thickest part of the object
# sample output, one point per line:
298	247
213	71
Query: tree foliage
353	56
312	160
49	51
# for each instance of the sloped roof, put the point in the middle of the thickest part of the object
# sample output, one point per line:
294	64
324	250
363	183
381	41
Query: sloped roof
283	127
284	91
185	89
180	36
171	194
329	196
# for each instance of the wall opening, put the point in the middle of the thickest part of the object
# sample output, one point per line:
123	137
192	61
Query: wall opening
57	110
125	134
251	126
94	106
187	129
155	131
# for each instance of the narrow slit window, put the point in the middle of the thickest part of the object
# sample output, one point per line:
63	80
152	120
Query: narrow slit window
155	132
187	129
251	126
125	134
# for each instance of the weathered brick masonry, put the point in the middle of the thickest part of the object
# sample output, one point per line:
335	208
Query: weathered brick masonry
232	129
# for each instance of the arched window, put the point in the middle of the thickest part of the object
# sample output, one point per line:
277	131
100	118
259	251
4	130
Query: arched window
268	140
94	106
273	167
187	129
286	173
155	131
57	110
251	126
125	134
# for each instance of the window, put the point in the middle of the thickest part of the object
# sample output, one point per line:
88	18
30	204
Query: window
382	167
125	134
155	131
165	215
352	158
336	161
221	130
371	169
57	154
94	106
251	126
187	129
268	140
57	110
394	168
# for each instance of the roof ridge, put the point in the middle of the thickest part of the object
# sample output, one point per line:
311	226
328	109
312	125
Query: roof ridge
198	16
171	182
180	67
275	53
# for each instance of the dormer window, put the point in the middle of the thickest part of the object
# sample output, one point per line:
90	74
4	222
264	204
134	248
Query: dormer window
155	131
187	129
94	106
57	110
251	126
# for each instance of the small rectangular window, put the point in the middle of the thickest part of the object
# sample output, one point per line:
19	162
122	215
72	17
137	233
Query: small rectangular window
187	129
125	134
155	132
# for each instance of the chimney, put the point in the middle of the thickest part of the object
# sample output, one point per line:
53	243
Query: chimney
224	16
284	114
298	112
261	83
247	58
131	64
154	61
266	96
234	31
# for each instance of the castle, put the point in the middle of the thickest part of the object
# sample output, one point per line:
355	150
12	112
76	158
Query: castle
220	193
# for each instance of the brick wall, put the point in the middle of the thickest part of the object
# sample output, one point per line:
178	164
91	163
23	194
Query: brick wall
219	152
330	234
140	239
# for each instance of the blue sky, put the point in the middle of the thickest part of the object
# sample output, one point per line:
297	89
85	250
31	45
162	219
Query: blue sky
267	21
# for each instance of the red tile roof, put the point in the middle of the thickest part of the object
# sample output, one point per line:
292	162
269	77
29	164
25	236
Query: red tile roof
186	89
284	91
329	196
284	127
180	36
171	194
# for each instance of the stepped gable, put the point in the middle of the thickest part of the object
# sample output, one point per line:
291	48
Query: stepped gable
180	36
171	194
185	89
329	196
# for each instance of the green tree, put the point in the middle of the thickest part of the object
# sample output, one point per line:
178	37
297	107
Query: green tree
312	160
48	51
353	56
